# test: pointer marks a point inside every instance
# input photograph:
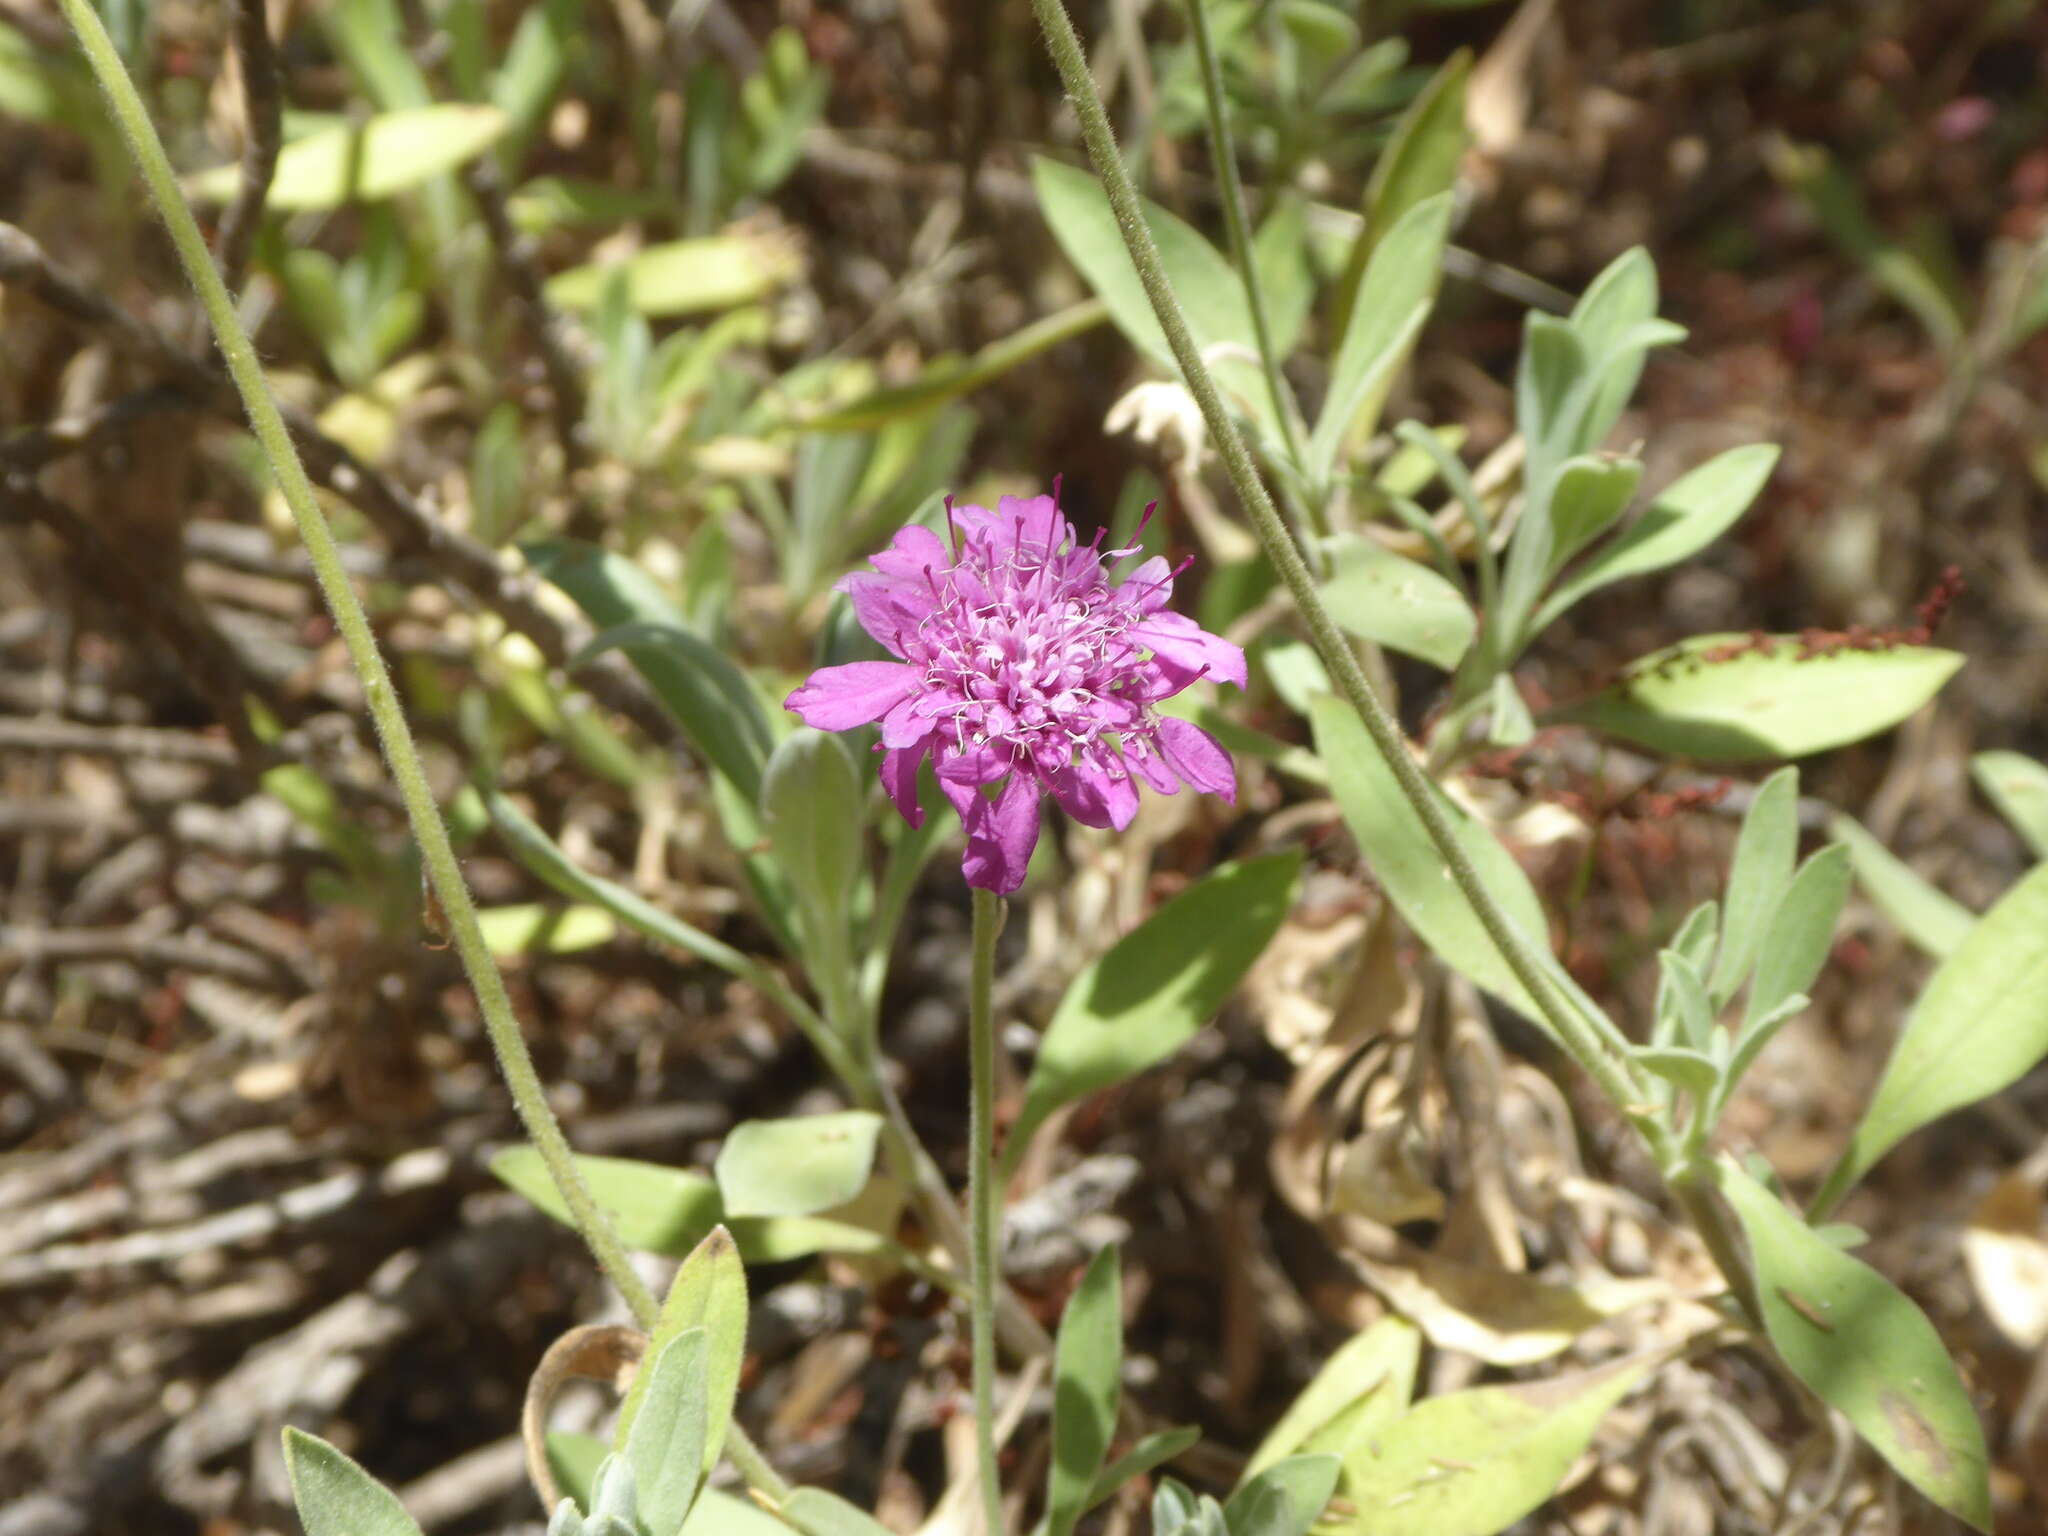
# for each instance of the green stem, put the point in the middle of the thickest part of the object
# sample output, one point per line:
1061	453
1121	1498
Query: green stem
1237	222
981	1181
1615	1075
444	873
1597	1051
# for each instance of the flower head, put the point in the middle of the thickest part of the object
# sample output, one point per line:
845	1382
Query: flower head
1023	669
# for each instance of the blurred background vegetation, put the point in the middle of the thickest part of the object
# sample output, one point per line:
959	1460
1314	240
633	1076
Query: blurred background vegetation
733	288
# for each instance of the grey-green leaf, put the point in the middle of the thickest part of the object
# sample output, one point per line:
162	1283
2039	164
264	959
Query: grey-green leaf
1472	1463
1930	917
1740	698
1694	1071
1400	286
696	681
335	1496
1156	987
1285	1499
818	1513
1764	856
1684	518
1801	932
1866	1350
1979	1027
379	158
665	1443
654	1208
1086	1388
1591	494
708	1292
1393	601
1398	849
798	1166
1359	1390
814	807
2018	786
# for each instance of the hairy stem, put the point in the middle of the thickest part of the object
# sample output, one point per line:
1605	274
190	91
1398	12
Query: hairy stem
443	871
1237	222
981	1180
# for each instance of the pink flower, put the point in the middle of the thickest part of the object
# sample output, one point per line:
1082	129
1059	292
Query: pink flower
1023	669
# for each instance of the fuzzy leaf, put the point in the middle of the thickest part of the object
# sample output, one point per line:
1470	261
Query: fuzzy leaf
1931	918
1087	1385
335	1496
798	1166
1391	600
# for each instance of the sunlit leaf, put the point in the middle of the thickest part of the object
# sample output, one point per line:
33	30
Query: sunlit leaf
1979	1027
1472	1463
1284	1499
1765	853
654	1208
1931	918
336	1497
1866	1350
708	1292
1738	698
541	928
798	1166
686	277
1801	932
818	1513
1360	1389
385	155
664	1444
2018	786
1156	987
1391	600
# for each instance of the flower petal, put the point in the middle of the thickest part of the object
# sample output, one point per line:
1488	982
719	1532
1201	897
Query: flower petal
840	698
899	780
1198	758
1150	585
1184	651
1146	761
1000	836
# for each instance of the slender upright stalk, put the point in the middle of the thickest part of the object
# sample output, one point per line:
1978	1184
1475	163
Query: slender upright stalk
981	1180
1588	1043
1617	1077
443	871
1237	221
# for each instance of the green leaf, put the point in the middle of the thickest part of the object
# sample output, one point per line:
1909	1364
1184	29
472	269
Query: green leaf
1285	1499
814	807
1683	1001
1400	286
799	1166
664	1445
1155	1450
1155	988
1361	1389
1616	323
1764	856
709	1292
1591	495
1682	1067
2018	786
1087	1384
574	1459
686	277
1398	849
1697	936
1865	1350
1750	1045
696	681
1386	598
1979	1027
387	154
950	378
1801	933
1420	162
1211	294
720	1514
540	928
818	1513
1931	918
336	1497
655	1209
1684	518
1287	281
1739	698
1472	1463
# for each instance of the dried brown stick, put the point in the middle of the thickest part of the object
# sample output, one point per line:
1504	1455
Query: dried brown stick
137	945
262	135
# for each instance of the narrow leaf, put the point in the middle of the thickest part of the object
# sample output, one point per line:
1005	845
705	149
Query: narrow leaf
686	276
1980	1026
818	1513
709	1292
798	1166
2018	786
664	1445
1156	987
1930	917
1801	933
1764	856
335	1496
1086	1388
379	158
1391	600
1360	1389
1472	1463
1866	1350
655	1209
1285	1499
1741	698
